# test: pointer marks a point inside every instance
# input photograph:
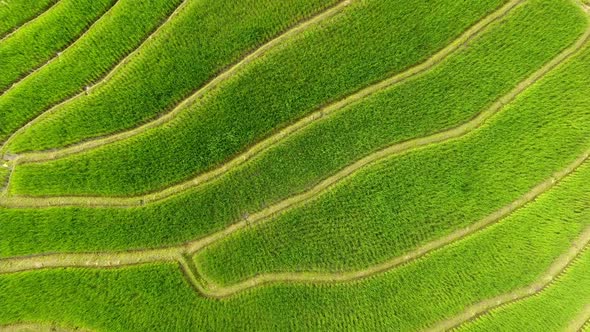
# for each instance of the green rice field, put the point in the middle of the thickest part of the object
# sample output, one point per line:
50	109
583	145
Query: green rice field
303	165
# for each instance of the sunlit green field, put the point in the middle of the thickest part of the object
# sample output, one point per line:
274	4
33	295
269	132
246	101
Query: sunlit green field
303	165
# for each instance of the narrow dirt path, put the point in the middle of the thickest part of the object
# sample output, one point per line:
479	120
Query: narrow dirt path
93	143
91	88
32	19
183	253
33	71
577	325
105	201
557	268
4	184
190	272
33	327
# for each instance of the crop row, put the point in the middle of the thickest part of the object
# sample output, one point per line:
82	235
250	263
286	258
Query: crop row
551	310
506	256
16	13
327	62
203	211
51	32
272	140
182	59
117	33
196	142
393	206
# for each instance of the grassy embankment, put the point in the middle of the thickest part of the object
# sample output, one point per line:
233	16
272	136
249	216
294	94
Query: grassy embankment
401	198
116	34
16	13
324	64
272	91
184	58
506	256
551	310
50	33
164	223
204	63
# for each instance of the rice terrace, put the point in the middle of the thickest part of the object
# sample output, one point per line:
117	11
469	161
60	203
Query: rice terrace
295	165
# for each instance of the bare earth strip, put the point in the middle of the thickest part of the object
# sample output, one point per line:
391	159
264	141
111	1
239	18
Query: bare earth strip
4	184
54	154
6	36
32	72
103	80
182	253
557	268
37	328
103	201
189	271
577	325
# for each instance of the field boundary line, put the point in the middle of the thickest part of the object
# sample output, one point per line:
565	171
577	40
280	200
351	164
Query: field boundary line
190	272
453	132
585	7
183	253
558	268
27	22
58	54
6	183
39	327
74	41
294	29
91	88
577	325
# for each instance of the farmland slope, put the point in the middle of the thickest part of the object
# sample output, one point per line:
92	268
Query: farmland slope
506	256
18	13
31	46
104	44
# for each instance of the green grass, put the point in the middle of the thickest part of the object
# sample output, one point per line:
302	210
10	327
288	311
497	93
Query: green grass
422	195
504	257
106	43
181	59
178	146
39	41
381	212
221	203
551	310
370	41
505	55
15	13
